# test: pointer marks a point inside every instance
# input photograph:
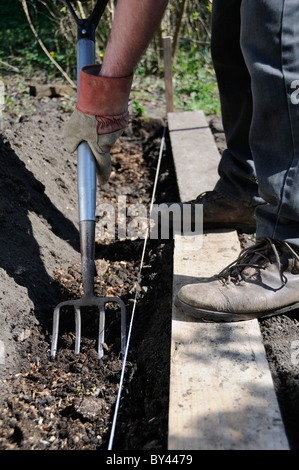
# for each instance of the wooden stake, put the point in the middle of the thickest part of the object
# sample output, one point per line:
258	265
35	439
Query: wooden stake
2	103
168	73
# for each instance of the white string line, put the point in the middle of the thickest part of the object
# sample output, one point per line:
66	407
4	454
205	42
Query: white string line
112	433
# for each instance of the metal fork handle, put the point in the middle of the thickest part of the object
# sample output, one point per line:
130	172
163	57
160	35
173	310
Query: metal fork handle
87	245
86	162
86	182
86	56
87	26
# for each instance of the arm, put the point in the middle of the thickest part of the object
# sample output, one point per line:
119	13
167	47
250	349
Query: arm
134	25
101	112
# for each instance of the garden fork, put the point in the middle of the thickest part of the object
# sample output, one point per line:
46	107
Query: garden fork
86	172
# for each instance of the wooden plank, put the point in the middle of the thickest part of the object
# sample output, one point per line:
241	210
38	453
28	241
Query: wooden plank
51	90
194	151
221	389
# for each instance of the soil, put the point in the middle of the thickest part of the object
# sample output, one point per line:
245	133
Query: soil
68	403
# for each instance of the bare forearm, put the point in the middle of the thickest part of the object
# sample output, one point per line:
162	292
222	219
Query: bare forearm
134	25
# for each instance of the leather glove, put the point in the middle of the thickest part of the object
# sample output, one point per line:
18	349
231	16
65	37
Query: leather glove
100	116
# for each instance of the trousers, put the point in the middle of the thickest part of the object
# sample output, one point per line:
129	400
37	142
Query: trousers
255	53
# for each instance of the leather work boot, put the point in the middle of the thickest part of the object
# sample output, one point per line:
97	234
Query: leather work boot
262	282
219	212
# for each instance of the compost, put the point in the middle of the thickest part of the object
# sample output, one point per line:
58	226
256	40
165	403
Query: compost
68	403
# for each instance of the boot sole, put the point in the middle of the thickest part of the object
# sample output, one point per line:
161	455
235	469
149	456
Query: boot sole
210	316
240	228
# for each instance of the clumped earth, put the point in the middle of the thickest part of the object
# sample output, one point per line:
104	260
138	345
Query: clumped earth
68	403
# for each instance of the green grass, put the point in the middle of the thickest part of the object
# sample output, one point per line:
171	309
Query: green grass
194	84
194	81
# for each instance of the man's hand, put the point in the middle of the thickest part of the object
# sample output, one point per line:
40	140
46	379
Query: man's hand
100	116
102	110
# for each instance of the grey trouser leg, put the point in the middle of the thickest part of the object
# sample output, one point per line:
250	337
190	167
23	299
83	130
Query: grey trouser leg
255	48
236	169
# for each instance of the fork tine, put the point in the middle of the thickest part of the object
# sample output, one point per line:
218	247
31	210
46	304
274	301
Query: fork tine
78	329
89	302
123	331
55	331
101	330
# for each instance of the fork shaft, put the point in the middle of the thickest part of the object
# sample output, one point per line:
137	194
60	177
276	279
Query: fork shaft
86	170
86	182
86	185
87	244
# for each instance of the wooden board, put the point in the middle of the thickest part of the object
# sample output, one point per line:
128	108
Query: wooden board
221	390
195	153
51	90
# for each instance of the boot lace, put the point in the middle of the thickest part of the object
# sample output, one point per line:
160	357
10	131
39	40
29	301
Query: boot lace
264	248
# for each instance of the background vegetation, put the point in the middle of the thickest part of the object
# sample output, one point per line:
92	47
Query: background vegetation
186	21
